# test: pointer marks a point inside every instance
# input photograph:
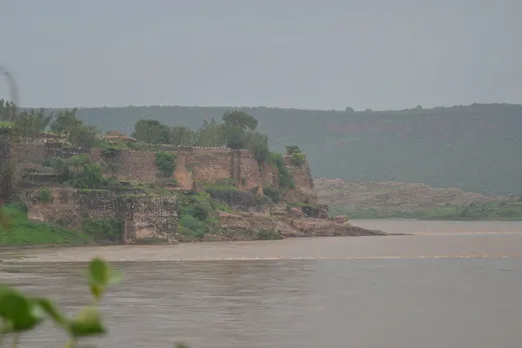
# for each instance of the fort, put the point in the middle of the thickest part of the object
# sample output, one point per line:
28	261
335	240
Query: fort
143	214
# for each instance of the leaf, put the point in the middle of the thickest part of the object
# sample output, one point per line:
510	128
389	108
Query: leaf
100	276
180	345
19	312
86	323
51	311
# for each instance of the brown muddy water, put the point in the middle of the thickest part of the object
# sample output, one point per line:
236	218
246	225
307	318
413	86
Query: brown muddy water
452	284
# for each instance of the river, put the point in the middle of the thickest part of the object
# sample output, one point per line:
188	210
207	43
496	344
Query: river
451	284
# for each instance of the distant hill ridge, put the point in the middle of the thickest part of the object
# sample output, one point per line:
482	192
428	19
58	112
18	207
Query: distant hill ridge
476	148
395	196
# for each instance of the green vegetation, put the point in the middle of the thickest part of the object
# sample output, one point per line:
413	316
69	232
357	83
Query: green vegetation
469	147
286	181
103	230
273	193
473	212
166	163
22	231
22	313
46	195
265	234
194	211
78	171
511	211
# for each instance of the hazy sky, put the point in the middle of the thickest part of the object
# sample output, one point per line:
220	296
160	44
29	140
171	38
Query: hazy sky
380	54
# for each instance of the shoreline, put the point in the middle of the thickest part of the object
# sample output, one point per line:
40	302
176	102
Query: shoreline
8	248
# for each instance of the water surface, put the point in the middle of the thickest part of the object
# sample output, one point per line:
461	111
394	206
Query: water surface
450	285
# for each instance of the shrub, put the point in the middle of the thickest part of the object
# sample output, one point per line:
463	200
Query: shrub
110	151
286	179
292	149
266	234
165	161
90	178
298	159
103	230
192	227
273	193
45	195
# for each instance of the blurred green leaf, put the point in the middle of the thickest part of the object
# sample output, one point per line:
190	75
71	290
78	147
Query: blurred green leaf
100	276
87	323
19	312
49	308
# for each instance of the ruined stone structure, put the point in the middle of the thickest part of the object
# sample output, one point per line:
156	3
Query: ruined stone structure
145	216
142	216
5	149
205	164
304	183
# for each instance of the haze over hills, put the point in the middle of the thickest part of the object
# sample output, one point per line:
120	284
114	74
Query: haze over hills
476	148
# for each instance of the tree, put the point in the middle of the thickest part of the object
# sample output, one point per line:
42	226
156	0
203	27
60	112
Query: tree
8	111
236	137
291	149
65	121
240	119
182	136
211	134
258	144
31	124
77	132
152	132
83	136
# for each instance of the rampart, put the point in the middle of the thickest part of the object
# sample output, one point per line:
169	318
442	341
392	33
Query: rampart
142	217
206	164
193	164
304	184
5	150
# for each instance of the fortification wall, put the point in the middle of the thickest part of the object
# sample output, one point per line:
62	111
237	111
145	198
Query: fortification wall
5	160
148	217
142	216
304	184
30	152
206	164
250	176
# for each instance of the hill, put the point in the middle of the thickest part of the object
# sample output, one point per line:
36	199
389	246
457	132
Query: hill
394	196
474	147
396	199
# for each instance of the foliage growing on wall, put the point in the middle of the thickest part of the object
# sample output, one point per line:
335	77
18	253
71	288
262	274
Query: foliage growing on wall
165	161
273	193
286	180
45	195
103	230
78	171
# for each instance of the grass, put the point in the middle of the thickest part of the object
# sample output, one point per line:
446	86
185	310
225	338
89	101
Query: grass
510	211
496	211
26	232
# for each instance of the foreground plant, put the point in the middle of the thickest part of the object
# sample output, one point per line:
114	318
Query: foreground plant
21	313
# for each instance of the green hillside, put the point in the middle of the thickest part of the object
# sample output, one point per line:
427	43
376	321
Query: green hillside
474	147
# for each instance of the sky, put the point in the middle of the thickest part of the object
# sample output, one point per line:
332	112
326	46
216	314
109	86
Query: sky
328	54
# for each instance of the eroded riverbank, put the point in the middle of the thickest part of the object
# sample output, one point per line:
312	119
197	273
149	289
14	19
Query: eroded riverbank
433	239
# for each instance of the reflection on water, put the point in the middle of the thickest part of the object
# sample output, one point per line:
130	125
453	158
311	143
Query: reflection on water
410	303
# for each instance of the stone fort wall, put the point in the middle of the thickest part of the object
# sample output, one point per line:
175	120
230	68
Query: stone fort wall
142	216
206	164
193	164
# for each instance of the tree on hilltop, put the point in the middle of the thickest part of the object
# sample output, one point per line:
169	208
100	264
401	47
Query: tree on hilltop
240	119
152	131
